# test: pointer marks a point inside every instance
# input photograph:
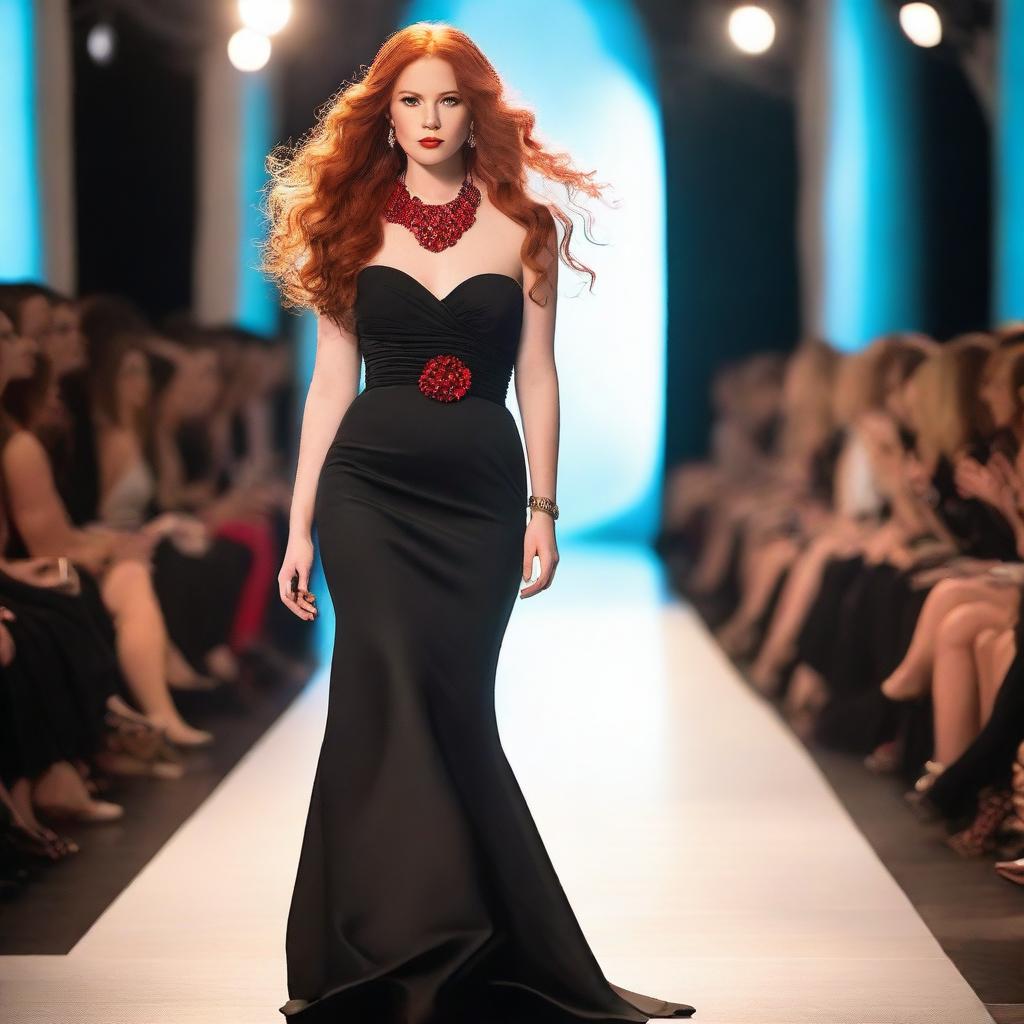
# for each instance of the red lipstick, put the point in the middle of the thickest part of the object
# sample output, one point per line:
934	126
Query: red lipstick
431	141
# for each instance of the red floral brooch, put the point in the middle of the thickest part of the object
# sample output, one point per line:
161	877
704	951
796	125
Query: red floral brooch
445	378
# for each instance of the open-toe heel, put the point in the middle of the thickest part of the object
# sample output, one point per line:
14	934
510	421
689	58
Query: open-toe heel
980	837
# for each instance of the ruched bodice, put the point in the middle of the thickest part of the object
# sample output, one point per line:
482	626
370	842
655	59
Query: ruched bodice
401	324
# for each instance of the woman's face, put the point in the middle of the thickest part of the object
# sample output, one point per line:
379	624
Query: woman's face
36	316
65	346
201	373
17	352
427	103
133	382
997	390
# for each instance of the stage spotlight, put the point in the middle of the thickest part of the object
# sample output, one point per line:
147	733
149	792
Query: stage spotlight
248	50
101	42
921	24
265	16
751	28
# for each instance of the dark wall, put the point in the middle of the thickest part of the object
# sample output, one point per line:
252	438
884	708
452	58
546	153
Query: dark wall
733	284
957	199
134	167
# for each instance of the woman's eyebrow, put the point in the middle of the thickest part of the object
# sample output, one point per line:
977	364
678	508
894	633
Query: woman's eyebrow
447	92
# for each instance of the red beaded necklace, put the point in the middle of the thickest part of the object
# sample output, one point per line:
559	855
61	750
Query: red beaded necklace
435	225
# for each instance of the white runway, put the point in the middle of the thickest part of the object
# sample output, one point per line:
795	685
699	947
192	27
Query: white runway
706	858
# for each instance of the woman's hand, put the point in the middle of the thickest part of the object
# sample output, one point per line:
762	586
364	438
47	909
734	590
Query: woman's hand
539	541
31	570
134	546
298	558
974	480
56	573
191	536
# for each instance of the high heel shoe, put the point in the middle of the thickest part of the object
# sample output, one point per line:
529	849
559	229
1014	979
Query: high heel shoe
980	836
932	770
128	734
41	837
93	813
1011	832
917	798
1011	870
139	748
884	759
32	847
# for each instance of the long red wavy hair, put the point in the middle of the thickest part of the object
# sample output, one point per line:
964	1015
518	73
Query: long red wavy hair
326	193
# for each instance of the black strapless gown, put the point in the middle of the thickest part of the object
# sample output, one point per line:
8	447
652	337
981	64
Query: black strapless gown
424	894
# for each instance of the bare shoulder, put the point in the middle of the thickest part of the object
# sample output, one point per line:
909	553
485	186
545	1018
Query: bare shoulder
508	236
504	234
24	449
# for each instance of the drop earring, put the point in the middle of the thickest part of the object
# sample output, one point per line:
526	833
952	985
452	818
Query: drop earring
391	135
472	138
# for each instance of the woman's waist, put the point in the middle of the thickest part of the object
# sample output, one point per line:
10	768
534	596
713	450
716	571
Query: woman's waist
395	433
445	372
400	418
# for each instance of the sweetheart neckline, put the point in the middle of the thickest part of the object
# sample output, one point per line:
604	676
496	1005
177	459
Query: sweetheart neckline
438	298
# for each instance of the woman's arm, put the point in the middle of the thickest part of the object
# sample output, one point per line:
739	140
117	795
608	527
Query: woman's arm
333	387
38	511
536	384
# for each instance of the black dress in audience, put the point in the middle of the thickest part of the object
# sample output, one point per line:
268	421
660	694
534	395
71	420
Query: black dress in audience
73	454
55	691
862	622
199	593
981	531
988	761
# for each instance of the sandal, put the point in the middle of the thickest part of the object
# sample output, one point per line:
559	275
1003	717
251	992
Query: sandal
932	770
35	847
980	836
884	759
165	762
130	735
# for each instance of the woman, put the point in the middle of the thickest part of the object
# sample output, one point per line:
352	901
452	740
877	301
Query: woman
196	577
977	485
114	565
423	890
882	370
61	706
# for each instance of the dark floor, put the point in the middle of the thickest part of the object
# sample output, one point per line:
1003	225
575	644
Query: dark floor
976	916
63	901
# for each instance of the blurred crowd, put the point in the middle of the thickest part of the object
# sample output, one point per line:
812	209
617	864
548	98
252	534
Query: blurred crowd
144	495
856	542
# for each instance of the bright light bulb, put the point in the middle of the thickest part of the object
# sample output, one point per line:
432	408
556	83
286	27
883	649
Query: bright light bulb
265	16
101	42
751	28
248	50
921	23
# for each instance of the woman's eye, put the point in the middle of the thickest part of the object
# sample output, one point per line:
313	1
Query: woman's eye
455	100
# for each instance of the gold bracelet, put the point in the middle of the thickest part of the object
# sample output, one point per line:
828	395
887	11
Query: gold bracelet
544	505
